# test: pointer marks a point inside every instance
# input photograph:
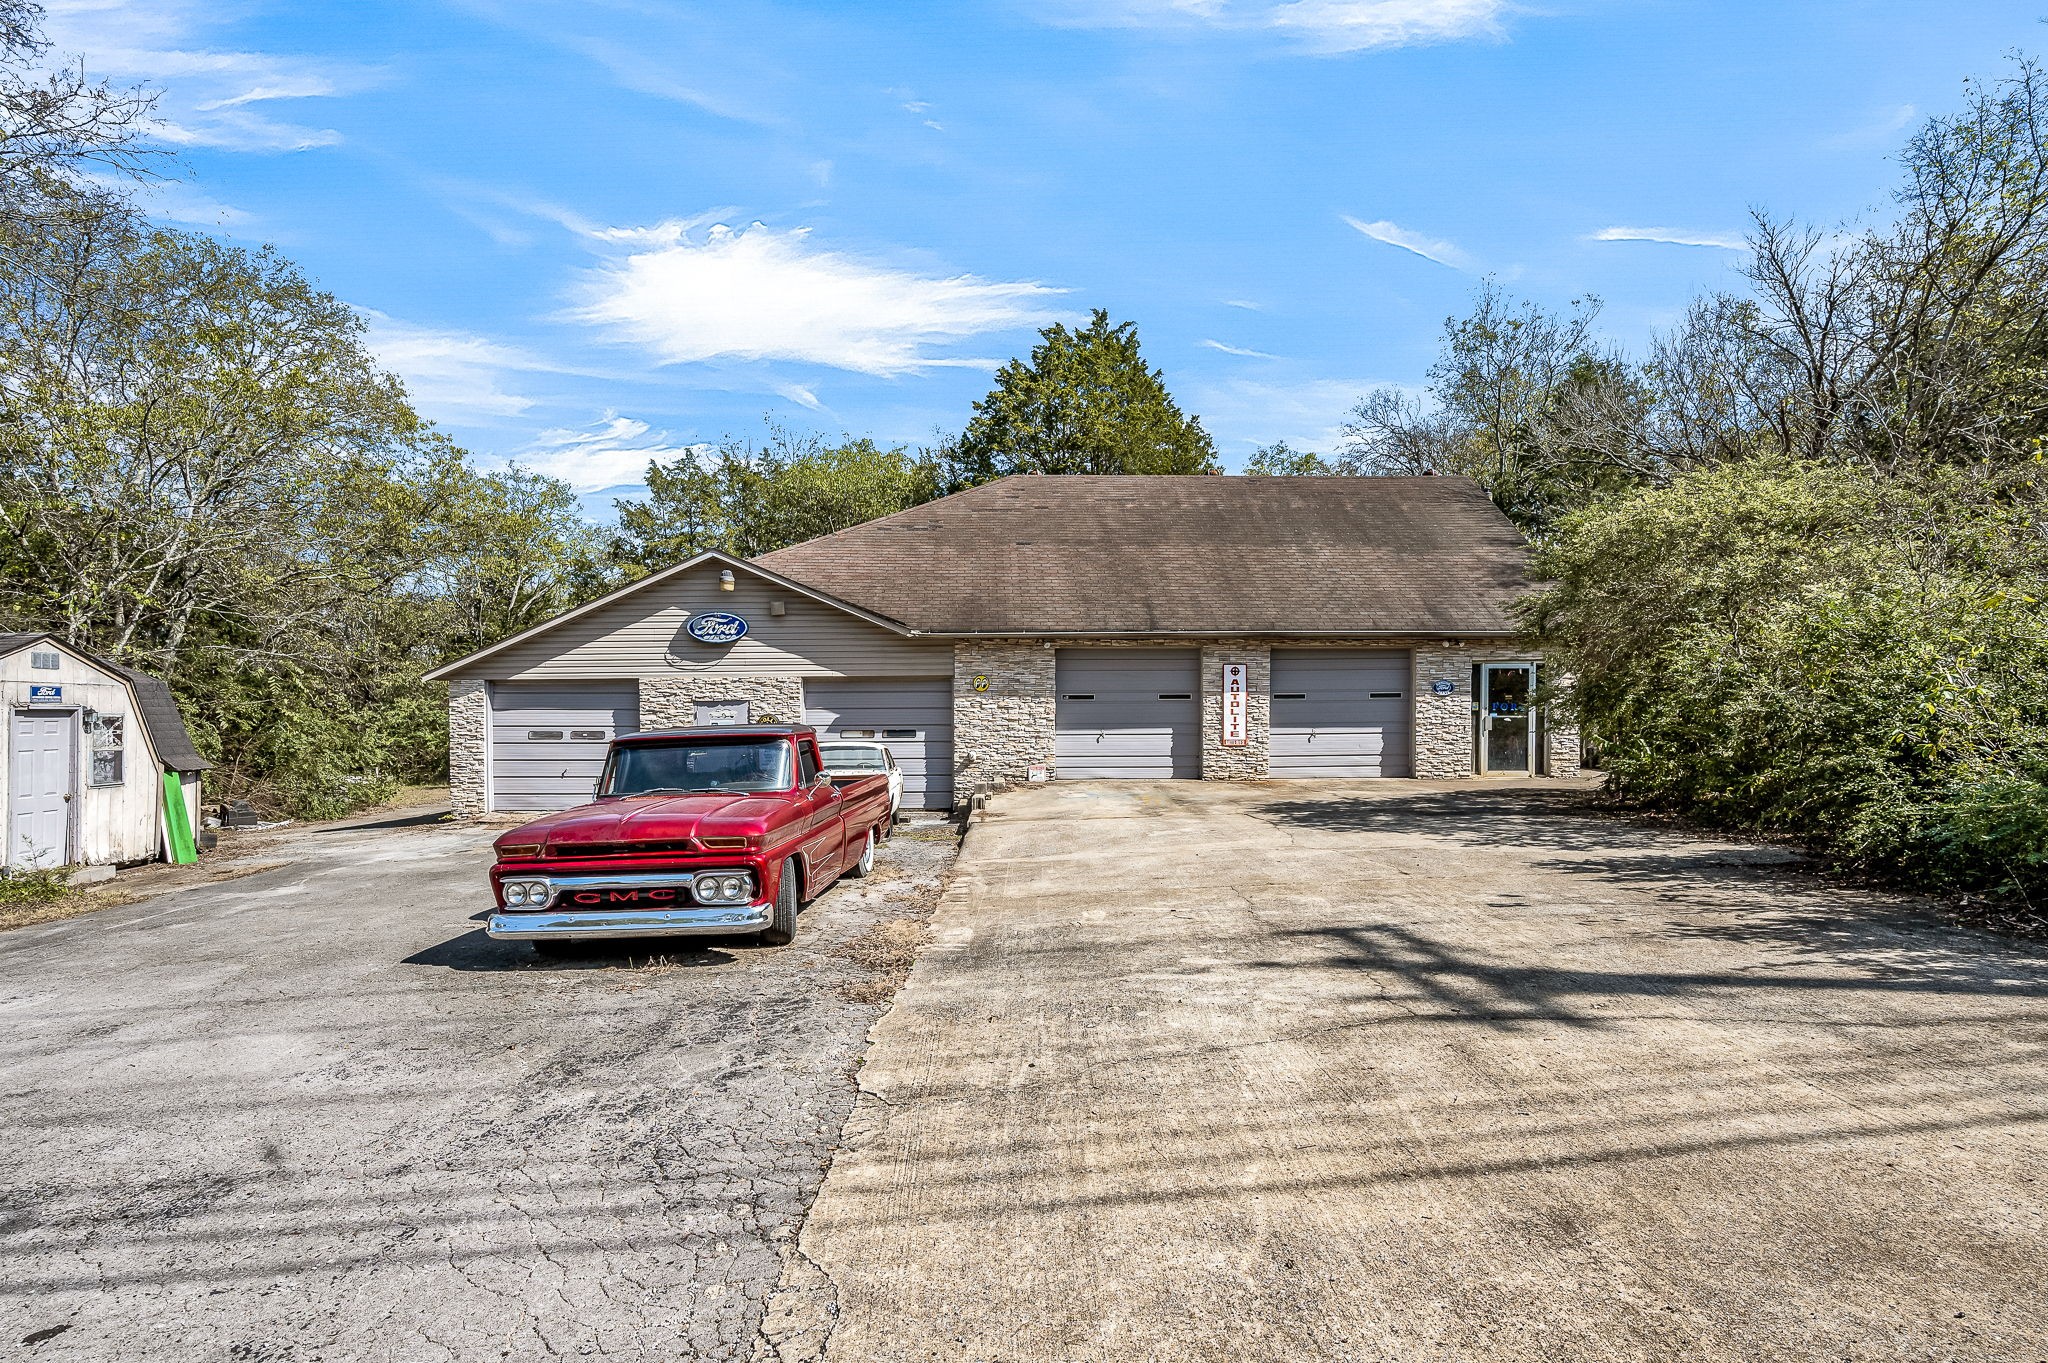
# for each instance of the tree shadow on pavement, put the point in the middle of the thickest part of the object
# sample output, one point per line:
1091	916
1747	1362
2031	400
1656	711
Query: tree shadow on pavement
476	950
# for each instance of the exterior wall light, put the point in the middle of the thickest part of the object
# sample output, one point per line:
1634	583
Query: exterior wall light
725	583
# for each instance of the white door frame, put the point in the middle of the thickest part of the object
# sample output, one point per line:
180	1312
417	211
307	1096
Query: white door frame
71	793
1486	671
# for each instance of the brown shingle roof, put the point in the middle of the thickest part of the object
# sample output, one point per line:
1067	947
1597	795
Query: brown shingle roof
1182	555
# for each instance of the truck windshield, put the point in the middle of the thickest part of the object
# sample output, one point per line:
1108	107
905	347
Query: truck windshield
741	765
853	757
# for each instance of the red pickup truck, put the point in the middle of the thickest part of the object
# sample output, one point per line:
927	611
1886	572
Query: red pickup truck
711	830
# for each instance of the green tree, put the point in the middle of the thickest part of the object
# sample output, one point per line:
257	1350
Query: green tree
749	500
1281	460
1085	402
204	473
1523	400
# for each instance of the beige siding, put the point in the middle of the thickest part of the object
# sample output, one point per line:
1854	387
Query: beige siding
113	823
642	636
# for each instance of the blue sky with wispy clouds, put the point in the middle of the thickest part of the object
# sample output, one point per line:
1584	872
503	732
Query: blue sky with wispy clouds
590	233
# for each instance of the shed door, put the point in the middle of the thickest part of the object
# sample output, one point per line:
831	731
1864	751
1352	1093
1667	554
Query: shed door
548	741
1341	712
41	771
913	719
1127	712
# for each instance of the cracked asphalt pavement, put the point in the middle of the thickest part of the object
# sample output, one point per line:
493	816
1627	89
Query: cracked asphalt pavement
315	1114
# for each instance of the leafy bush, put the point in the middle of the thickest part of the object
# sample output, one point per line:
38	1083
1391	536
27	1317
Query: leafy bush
31	888
1816	650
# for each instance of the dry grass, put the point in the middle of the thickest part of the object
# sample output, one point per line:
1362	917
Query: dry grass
888	949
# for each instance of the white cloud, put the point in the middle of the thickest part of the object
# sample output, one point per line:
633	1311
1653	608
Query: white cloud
690	295
207	95
1327	26
612	452
454	375
1672	236
649	73
1237	350
1882	129
1429	248
1244	303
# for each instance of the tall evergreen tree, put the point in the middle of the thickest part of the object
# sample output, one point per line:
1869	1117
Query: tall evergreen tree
1085	402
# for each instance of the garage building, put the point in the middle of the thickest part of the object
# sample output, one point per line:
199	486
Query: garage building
1058	628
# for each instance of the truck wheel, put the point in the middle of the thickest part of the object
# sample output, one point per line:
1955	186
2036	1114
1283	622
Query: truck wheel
781	929
866	864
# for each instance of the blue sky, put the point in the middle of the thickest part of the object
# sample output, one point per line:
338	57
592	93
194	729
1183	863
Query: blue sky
587	233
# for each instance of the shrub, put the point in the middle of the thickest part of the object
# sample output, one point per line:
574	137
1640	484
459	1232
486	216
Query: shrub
1818	651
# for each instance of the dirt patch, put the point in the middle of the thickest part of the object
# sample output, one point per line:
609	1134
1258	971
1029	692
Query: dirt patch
887	950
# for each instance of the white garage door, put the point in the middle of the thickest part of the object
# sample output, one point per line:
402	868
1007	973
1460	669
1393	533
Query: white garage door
1127	712
914	719
548	742
1341	712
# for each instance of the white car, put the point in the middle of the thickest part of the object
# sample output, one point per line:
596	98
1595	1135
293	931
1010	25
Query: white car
852	757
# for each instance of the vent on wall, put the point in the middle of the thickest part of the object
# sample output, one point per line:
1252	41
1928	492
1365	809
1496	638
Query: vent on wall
48	662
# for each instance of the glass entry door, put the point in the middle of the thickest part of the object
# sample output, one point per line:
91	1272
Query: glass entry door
1507	734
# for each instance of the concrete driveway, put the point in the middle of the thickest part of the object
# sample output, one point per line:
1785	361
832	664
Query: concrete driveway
314	1114
1408	1072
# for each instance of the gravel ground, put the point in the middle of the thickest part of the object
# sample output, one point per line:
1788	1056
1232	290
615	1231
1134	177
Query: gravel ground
315	1114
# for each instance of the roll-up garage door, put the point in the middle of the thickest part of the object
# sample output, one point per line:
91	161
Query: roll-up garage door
1341	712
1127	712
548	741
914	719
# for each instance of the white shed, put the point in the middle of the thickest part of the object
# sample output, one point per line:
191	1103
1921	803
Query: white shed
90	745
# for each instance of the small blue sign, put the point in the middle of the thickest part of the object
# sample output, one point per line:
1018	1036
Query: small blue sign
1444	688
46	695
716	627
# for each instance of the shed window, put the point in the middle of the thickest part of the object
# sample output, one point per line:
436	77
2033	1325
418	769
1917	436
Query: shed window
105	737
46	662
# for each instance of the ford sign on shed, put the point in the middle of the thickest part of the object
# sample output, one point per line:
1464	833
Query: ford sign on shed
716	627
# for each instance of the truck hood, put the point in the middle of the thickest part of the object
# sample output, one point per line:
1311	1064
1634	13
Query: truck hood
650	818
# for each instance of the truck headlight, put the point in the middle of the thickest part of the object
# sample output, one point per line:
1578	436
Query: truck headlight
723	888
515	892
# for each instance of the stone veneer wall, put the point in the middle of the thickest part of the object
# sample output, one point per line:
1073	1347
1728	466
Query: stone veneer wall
1443	724
1001	733
1561	749
671	702
469	738
1237	764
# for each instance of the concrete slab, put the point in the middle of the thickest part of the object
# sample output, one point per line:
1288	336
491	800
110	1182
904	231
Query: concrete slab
1403	1072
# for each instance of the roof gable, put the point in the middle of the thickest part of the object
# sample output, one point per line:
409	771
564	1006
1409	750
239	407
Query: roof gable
608	614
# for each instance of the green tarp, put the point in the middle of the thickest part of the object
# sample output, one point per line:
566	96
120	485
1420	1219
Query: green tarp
177	826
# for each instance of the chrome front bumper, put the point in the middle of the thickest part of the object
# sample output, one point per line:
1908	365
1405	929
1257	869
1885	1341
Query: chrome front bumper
527	927
514	925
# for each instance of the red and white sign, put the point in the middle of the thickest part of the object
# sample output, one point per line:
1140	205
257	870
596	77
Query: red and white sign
1237	706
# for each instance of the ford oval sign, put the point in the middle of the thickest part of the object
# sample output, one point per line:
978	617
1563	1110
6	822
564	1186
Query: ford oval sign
716	627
